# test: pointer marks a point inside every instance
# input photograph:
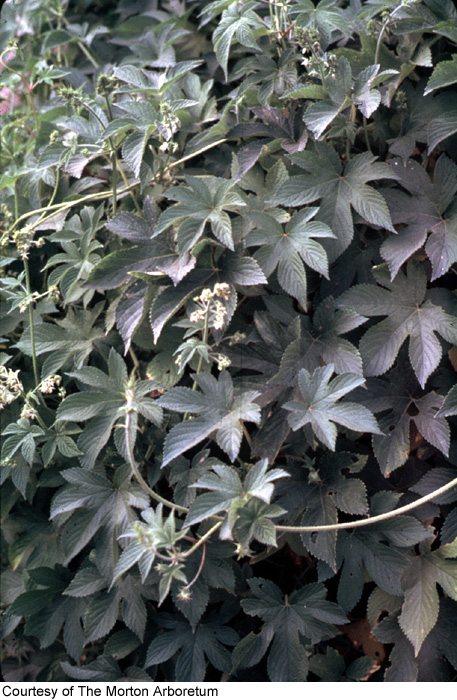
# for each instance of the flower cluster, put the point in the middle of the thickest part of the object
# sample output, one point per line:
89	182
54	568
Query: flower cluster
23	240
208	303
169	122
48	385
10	386
223	362
28	411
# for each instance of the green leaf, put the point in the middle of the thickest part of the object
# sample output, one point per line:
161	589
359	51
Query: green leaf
106	404
101	615
420	608
209	640
220	409
288	250
319	341
338	192
363	551
237	23
228	493
444	74
430	216
121	644
316	497
318	405
441	128
449	407
305	613
402	301
324	16
206	199
319	115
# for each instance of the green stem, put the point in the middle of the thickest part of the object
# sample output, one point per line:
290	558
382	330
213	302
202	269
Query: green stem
246	435
137	473
202	539
365	131
282	528
375	519
88	54
114	182
115	546
195	153
116	159
58	208
127	184
378	43
113	158
32	330
28	91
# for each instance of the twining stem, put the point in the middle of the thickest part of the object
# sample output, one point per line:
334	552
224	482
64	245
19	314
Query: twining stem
58	208
126	182
374	519
205	341
200	567
87	53
115	546
28	91
137	473
113	160
378	43
246	434
32	330
202	539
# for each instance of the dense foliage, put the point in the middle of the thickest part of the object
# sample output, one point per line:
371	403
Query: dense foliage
229	330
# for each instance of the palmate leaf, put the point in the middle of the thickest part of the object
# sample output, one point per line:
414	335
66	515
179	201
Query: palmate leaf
209	640
428	664
338	192
220	409
152	253
288	249
430	215
206	199
402	406
362	552
316	497
237	23
342	91
330	667
421	602
445	73
156	256
72	338
304	615
449	407
47	611
227	493
233	269
317	405
23	435
96	505
109	397
324	16
320	341
402	301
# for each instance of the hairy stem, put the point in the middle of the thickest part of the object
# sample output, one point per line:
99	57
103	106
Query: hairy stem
137	473
28	90
376	518
202	539
32	330
378	43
